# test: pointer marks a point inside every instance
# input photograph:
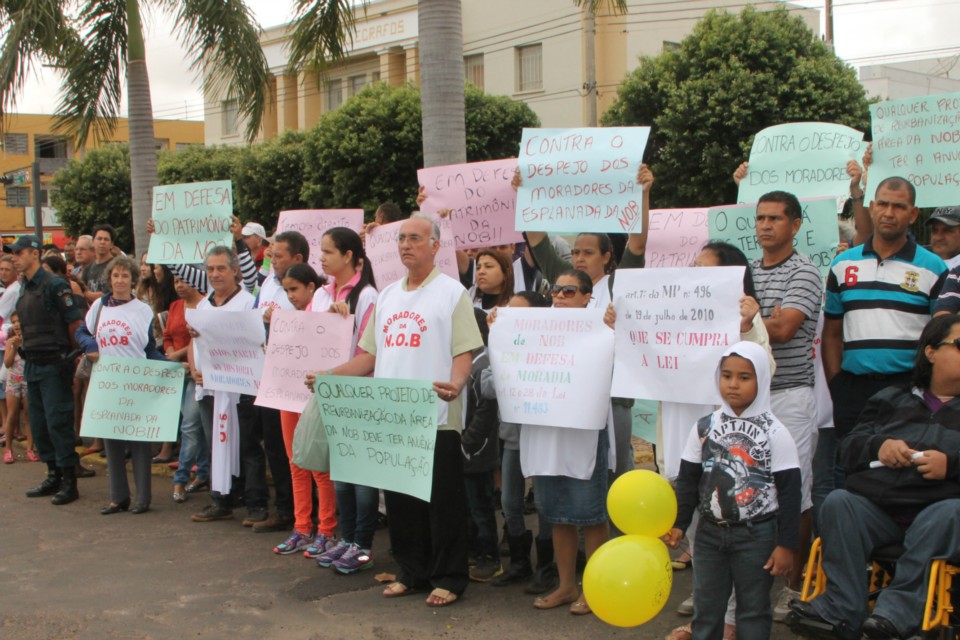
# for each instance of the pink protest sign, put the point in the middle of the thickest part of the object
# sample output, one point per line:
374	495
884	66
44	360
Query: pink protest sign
676	236
313	223
480	197
300	342
381	248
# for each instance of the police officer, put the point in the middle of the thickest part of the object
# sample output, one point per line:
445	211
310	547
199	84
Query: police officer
49	318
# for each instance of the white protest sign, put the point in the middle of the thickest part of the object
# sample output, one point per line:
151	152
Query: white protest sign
313	223
552	367
672	326
384	255
230	348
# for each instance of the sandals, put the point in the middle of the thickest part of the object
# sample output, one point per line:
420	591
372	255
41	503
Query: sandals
397	590
441	598
580	607
8	457
179	494
198	485
551	601
681	633
32	456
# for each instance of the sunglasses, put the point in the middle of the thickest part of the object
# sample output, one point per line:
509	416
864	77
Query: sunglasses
955	342
565	290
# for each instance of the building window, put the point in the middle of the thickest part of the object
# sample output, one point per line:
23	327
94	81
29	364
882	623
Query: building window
334	95
51	147
18	196
530	67
473	70
357	83
15	144
229	118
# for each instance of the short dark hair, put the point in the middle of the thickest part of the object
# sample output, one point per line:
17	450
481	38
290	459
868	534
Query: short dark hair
933	334
296	243
533	298
108	228
583	280
896	183
730	256
606	246
56	263
390	212
792	206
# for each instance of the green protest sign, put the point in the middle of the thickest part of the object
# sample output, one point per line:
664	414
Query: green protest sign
189	219
818	237
381	431
644	415
133	399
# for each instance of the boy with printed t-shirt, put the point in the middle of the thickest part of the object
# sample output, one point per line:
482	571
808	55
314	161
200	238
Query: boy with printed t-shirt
740	469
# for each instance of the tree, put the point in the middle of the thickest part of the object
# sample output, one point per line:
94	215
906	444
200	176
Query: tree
104	43
730	78
268	179
197	163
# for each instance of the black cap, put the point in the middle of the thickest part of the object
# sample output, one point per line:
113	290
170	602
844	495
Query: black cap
28	241
949	216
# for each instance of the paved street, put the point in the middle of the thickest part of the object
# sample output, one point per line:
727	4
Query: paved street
68	572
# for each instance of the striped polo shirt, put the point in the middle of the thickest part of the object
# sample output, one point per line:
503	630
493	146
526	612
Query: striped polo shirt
884	305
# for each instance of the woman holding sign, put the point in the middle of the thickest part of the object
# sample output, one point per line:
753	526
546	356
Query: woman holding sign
118	324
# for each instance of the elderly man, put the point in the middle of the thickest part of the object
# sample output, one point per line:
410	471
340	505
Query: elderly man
84	255
429	539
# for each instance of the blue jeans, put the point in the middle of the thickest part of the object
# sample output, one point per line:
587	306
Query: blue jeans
482	529
512	488
827	474
728	557
193	444
358	506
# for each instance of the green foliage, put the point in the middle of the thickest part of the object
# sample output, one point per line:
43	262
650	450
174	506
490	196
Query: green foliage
94	190
197	163
733	76
268	177
495	125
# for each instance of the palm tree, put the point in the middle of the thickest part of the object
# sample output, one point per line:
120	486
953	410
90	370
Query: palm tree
101	44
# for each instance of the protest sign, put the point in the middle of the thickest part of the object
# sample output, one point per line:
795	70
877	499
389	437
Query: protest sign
644	419
918	139
675	237
807	159
581	180
313	223
818	237
133	399
229	348
481	199
381	431
189	219
552	366
384	256
672	326
300	342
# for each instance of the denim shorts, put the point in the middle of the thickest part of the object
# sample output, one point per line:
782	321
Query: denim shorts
565	500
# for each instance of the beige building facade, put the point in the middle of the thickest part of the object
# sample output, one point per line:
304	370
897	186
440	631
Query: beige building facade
532	51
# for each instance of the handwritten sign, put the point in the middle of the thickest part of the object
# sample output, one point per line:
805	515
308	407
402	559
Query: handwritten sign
300	342
918	139
481	198
384	255
644	419
552	366
189	219
807	159
672	326
313	223
381	431
818	237
675	237
133	399
229	348
581	180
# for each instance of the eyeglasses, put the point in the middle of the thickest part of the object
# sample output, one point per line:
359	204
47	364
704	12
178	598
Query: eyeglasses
565	290
955	342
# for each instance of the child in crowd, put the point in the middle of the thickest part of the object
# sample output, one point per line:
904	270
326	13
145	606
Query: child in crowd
16	395
740	469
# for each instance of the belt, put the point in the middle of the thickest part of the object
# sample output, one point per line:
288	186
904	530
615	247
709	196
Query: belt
727	524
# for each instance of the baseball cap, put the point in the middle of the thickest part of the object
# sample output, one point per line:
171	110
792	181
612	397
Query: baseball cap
254	229
28	241
949	216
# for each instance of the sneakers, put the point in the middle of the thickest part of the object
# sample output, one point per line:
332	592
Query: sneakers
486	569
353	559
782	608
212	512
296	542
275	522
321	547
686	607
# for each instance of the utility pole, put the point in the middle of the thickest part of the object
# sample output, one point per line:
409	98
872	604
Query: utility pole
590	53
37	211
828	28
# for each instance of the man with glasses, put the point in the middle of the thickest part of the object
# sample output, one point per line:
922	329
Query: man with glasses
84	255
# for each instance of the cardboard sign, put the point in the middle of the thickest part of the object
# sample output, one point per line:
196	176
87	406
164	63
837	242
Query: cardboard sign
918	139
189	219
384	255
230	348
675	237
581	180
552	367
807	159
672	326
301	342
133	399
381	431
481	198
313	223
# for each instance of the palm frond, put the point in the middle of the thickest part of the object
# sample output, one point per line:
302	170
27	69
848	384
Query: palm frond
322	29
224	39
617	6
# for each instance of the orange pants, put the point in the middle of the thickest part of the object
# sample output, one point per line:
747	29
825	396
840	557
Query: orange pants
303	480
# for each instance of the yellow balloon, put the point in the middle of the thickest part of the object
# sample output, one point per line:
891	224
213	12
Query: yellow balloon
642	503
628	580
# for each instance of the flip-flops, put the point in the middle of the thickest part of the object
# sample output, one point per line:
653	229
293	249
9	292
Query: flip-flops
441	598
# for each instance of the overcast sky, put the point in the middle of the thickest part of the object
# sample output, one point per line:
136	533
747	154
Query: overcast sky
865	31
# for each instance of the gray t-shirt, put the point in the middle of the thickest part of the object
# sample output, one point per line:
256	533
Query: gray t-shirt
94	277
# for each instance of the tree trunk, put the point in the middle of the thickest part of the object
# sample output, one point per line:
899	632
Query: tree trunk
441	82
143	152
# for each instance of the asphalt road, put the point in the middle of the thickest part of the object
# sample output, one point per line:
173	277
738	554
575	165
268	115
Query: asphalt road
68	572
